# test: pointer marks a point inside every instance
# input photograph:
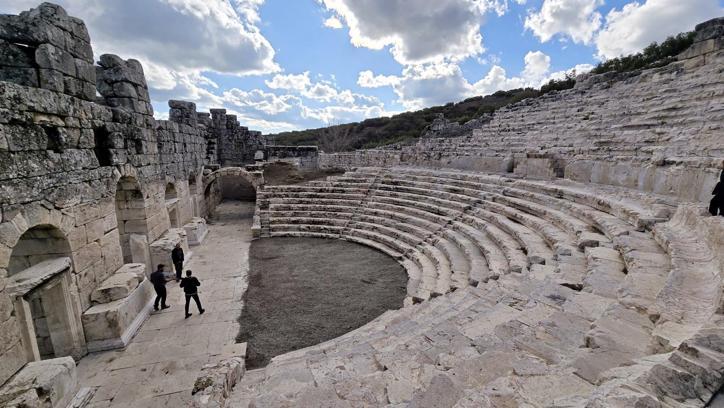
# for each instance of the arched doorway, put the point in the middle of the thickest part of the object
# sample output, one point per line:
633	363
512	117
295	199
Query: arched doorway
36	245
230	184
130	214
40	285
171	197
236	187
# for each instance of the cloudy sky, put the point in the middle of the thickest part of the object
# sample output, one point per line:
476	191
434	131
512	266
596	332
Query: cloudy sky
294	64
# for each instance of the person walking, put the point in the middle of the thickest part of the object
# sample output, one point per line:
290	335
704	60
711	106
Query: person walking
190	285
177	256
716	207
158	279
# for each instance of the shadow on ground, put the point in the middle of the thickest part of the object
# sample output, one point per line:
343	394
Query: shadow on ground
303	291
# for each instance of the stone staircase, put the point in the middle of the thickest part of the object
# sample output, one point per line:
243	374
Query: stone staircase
520	293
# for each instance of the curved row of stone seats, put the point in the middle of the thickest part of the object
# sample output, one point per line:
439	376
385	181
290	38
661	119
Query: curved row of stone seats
427	265
689	332
642	279
527	340
515	244
451	253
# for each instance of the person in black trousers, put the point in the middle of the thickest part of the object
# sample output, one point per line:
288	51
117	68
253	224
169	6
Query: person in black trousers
717	203
158	279
177	256
190	283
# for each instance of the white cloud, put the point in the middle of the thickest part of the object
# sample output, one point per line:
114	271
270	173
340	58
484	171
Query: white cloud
259	100
290	82
428	31
577	19
187	35
333	23
637	25
321	91
537	65
331	115
425	85
577	70
367	79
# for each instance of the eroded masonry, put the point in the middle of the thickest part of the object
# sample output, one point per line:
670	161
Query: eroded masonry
93	191
560	254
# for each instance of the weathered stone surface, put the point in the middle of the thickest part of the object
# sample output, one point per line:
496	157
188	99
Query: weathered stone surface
117	286
53	58
47	383
112	325
213	386
196	231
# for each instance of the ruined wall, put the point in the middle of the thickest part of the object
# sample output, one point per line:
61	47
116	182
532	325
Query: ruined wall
88	170
303	157
236	144
658	130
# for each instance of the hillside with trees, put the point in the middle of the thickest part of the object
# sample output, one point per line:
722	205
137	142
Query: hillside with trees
401	128
407	127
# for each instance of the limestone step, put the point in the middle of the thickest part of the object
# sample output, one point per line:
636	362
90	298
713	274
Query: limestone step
497	263
692	291
517	260
530	242
624	204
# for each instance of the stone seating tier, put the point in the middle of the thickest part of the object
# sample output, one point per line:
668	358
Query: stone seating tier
563	294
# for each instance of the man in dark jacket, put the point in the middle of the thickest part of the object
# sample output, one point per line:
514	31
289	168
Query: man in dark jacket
190	283
158	279
717	203
177	256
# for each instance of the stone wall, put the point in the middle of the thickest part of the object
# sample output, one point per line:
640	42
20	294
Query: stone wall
303	157
236	144
87	175
658	130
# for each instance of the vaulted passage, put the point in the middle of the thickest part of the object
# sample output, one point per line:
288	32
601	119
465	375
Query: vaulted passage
235	187
303	291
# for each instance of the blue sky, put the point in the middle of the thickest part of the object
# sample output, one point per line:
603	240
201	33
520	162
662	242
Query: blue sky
294	64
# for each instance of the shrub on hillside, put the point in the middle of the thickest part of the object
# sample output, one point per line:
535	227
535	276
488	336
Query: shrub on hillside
566	82
654	55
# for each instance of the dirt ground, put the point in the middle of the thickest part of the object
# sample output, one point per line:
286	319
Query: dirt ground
281	173
303	291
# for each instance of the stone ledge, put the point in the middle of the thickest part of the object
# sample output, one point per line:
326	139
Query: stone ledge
196	231
120	284
47	383
113	325
23	282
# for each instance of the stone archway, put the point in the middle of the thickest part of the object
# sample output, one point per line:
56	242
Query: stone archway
255	178
40	286
230	179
